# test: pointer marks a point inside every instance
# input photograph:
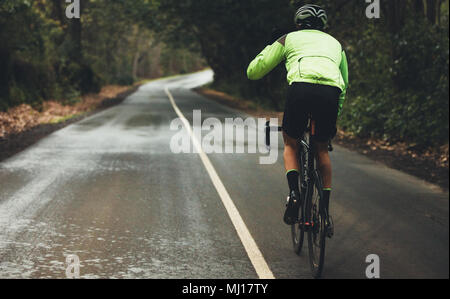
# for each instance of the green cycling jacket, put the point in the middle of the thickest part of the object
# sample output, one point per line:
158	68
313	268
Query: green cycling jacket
310	56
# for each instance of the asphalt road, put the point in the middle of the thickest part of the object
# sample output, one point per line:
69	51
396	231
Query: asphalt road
110	190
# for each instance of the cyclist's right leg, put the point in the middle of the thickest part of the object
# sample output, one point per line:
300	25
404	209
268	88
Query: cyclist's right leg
325	109
324	163
325	169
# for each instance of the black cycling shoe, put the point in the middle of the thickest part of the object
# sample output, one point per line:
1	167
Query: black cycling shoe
292	208
330	227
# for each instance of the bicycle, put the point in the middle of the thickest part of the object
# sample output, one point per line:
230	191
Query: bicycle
313	214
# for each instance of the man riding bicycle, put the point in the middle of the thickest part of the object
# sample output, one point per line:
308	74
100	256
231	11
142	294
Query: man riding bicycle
317	74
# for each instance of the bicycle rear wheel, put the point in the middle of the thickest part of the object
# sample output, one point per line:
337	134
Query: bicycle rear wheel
317	232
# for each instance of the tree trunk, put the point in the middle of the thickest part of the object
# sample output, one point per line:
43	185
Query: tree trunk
75	28
431	10
438	11
75	33
136	58
137	54
419	7
4	74
57	11
396	14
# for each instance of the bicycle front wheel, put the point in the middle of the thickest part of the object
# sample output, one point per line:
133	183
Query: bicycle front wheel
317	232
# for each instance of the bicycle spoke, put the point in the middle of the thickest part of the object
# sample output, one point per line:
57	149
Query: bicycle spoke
316	236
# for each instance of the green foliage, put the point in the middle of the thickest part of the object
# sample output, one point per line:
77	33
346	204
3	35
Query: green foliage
44	55
399	87
23	75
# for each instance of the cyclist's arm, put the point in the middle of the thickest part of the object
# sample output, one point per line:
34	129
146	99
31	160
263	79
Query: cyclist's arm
344	70
266	61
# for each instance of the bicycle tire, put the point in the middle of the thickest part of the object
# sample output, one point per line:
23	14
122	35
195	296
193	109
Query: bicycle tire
317	233
297	229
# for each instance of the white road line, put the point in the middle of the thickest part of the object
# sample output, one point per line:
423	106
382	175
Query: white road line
255	255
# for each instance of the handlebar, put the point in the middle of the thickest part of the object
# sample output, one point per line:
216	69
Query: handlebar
279	129
270	129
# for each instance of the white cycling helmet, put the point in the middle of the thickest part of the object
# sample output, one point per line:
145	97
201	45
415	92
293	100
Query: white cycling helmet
311	16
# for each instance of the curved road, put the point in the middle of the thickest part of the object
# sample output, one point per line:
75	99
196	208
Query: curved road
110	190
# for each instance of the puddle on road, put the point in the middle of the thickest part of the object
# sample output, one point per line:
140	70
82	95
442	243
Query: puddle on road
146	120
94	122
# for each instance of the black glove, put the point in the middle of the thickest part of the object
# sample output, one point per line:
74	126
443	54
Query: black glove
276	34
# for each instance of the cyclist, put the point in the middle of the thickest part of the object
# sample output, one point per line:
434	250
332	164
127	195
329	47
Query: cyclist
318	79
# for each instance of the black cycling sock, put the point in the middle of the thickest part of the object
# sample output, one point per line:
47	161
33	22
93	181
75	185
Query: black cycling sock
326	197
292	177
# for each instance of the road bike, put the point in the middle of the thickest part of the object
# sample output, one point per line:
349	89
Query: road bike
314	219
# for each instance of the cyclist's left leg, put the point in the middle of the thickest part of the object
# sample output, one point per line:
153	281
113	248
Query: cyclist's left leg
291	160
294	124
292	174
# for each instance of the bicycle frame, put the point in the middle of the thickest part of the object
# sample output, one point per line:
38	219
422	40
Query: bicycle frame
307	147
313	213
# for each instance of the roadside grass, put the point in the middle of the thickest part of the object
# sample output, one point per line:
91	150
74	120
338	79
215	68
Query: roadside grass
24	117
61	119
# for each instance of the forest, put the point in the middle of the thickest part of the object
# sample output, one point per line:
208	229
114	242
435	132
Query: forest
398	63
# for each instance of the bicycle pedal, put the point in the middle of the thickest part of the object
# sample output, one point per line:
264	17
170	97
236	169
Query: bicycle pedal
330	227
307	225
295	202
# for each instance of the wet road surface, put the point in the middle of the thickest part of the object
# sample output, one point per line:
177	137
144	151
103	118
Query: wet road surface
110	190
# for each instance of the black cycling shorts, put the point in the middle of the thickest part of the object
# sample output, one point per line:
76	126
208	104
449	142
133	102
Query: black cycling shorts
321	101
